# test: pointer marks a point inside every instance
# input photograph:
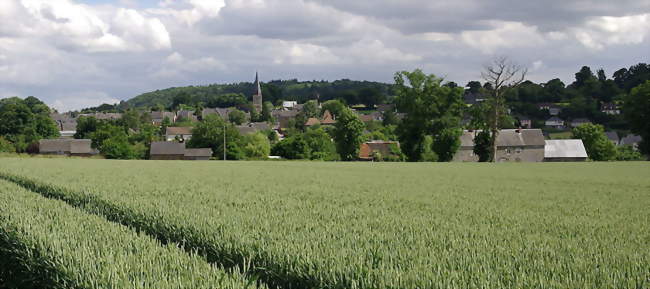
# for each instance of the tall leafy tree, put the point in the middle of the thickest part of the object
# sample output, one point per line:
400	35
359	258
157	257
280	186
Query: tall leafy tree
348	134
210	134
636	110
598	146
431	110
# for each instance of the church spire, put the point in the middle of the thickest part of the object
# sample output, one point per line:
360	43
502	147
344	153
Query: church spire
257	85
257	97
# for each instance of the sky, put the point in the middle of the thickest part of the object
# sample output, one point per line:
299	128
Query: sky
80	53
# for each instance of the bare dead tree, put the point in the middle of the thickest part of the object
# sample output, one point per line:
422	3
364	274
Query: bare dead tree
502	74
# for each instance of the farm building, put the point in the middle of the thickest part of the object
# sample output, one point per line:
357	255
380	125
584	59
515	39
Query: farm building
197	154
565	150
368	150
163	150
68	147
183	133
513	145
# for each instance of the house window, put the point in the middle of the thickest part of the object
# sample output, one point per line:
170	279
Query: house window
518	150
508	151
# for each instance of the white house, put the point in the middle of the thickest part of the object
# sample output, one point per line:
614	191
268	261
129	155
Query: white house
555	122
181	133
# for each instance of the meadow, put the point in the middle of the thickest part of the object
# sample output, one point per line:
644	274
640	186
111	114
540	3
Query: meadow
361	225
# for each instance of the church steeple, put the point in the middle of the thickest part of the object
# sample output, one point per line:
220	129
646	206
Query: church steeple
257	96
257	85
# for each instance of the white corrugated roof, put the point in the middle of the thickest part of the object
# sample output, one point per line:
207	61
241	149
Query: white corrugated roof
565	148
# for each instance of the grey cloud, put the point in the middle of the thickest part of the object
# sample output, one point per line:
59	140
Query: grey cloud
454	16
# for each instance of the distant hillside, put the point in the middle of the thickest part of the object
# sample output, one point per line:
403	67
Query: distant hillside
353	92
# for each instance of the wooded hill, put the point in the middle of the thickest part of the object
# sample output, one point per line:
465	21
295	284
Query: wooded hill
223	95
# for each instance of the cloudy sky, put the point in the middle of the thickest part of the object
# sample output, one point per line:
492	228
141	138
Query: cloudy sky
79	53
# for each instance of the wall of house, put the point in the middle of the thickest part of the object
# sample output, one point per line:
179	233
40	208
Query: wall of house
526	154
465	155
166	157
197	158
565	159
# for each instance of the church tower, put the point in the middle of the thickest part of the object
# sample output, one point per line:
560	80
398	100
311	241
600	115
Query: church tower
257	96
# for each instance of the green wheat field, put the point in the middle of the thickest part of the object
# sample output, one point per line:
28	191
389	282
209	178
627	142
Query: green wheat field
79	223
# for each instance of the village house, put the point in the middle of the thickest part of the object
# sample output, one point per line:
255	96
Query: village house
157	117
631	140
284	117
565	150
368	151
252	128
525	122
287	105
178	133
613	137
513	145
555	122
177	151
553	109
327	119
385	107
465	152
375	116
67	147
579	121
610	108
186	115
104	115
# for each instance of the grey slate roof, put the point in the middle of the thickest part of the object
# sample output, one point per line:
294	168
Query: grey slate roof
613	136
521	137
167	148
507	138
631	139
178	130
565	148
198	152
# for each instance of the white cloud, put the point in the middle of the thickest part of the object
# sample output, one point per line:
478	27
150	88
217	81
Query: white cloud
604	31
503	35
79	100
68	24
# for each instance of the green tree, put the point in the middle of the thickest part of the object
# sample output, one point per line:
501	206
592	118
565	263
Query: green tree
257	146
164	125
333	106
598	146
320	145
370	97
482	146
237	117
293	147
628	153
6	146
636	110
431	110
86	125
210	134
118	147
267	109
348	134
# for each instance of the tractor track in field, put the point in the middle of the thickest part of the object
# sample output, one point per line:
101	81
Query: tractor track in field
228	260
